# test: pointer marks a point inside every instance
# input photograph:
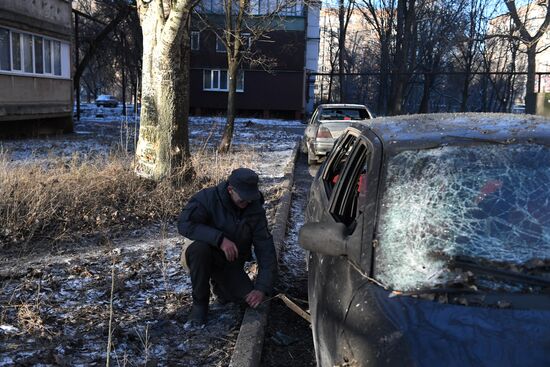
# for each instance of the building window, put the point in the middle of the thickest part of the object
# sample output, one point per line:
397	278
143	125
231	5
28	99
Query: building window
38	55
56	53
211	6
218	80
262	7
33	54
195	40
220	47
292	9
256	7
240	81
5	52
27	53
48	56
246	40
16	50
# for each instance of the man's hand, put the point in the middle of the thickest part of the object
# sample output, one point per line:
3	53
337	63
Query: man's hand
229	249
254	298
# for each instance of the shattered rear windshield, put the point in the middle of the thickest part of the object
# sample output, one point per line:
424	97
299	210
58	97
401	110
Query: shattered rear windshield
344	114
485	202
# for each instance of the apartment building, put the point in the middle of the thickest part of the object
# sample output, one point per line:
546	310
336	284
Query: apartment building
276	87
35	67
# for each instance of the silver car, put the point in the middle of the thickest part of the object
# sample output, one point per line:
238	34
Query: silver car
106	100
327	124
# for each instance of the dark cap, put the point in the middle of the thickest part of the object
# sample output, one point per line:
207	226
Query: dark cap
245	182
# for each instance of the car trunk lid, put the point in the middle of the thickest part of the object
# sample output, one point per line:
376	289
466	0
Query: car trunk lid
336	128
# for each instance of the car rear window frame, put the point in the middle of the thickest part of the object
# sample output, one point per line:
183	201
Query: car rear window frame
359	109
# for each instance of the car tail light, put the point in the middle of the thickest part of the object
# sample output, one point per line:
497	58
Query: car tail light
323	132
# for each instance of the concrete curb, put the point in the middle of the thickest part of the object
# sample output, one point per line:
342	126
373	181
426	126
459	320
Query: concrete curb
248	349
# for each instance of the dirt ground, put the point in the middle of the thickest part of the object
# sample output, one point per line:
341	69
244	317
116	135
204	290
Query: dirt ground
288	339
64	306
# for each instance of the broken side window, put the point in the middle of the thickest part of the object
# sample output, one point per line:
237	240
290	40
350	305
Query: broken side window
337	161
344	202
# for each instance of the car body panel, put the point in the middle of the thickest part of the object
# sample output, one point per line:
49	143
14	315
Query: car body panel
422	331
357	322
321	146
427	131
106	100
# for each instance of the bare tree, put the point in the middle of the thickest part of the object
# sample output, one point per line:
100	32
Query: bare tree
436	27
381	16
244	23
530	41
230	33
468	50
402	62
329	51
163	144
120	9
95	22
500	55
345	11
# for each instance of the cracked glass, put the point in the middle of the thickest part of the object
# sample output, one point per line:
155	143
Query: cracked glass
487	202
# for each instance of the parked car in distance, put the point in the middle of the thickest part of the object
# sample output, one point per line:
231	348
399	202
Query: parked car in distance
518	108
428	241
326	124
106	100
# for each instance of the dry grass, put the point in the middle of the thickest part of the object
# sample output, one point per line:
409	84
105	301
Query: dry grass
68	199
30	320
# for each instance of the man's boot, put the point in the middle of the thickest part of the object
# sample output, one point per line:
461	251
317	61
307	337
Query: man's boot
197	316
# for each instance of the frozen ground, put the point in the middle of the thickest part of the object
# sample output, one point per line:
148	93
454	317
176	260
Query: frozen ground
288	340
102	130
56	310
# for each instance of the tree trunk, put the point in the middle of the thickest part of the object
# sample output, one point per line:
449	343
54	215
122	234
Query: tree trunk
341	46
466	84
163	144
405	19
123	74
425	102
342	29
227	136
531	67
383	84
330	87
484	104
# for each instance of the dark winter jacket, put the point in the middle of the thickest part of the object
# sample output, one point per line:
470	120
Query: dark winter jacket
211	215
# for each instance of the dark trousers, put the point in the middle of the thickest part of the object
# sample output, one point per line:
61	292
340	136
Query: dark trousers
207	263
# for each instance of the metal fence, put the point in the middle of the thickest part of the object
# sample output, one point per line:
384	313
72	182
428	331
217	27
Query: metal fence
430	91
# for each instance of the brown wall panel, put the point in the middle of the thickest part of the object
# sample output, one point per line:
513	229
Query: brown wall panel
262	91
286	48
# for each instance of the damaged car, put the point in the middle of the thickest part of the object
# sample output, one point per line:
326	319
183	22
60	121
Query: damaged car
326	124
428	241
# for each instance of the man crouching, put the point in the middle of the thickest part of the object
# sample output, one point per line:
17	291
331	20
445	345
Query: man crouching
221	224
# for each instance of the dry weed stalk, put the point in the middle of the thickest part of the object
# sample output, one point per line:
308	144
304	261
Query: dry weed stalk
111	312
145	343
